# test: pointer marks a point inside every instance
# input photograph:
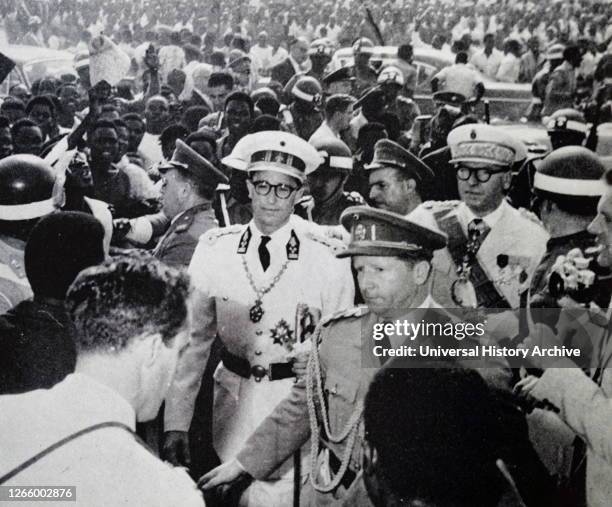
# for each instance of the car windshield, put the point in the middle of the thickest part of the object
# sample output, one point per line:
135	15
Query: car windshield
42	68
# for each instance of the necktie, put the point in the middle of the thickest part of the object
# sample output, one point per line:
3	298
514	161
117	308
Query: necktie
476	229
264	254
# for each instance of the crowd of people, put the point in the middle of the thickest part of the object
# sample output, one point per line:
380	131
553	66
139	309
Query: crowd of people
202	223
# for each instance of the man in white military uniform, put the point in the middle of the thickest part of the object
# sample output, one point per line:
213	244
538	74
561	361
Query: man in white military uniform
81	431
250	281
493	248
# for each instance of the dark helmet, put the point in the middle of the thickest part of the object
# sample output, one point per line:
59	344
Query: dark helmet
29	188
308	89
335	154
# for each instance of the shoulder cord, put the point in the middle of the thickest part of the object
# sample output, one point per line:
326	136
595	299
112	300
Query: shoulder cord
350	430
28	463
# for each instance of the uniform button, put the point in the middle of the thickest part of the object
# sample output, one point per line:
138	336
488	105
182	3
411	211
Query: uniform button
258	352
259	332
225	298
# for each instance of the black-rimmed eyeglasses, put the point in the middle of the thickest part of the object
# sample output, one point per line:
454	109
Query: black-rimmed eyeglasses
281	190
482	174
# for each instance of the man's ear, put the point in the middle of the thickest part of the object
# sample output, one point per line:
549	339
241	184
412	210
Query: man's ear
250	188
411	185
507	181
299	193
420	272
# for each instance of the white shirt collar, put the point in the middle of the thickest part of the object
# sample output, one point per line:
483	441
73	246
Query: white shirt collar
278	238
467	215
96	397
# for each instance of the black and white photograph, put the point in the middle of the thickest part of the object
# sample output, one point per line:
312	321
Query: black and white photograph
332	253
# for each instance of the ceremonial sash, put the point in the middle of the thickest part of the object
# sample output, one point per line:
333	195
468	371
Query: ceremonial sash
487	294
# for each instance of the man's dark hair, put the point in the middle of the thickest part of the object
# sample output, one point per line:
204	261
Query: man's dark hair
133	117
199	136
192	52
12	103
268	105
65	85
264	123
462	57
124	298
175	38
4	123
60	246
173	132
120	124
100	124
570	52
437	427
40	100
221	79
108	108
21	124
571	204
240	97
193	115
405	51
337	103
217	58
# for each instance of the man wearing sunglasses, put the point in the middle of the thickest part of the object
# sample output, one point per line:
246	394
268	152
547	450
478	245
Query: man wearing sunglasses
493	248
249	282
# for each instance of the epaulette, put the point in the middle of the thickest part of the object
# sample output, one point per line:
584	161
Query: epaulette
356	311
185	222
211	236
440	205
334	244
531	216
354	197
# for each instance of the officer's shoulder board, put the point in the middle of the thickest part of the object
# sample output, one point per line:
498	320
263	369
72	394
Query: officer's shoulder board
335	245
355	312
531	216
211	236
435	206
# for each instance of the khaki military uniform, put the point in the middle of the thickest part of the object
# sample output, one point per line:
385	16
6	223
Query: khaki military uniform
176	247
344	366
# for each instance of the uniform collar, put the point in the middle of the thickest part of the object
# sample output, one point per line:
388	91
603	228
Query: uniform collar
466	215
194	209
278	238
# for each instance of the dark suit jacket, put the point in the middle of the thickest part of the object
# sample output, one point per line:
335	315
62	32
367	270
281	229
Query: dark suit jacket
282	72
178	244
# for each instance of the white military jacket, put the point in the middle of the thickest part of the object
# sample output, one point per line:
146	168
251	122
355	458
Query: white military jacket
306	272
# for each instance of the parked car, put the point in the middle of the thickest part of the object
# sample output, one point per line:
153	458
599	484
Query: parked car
33	62
507	101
